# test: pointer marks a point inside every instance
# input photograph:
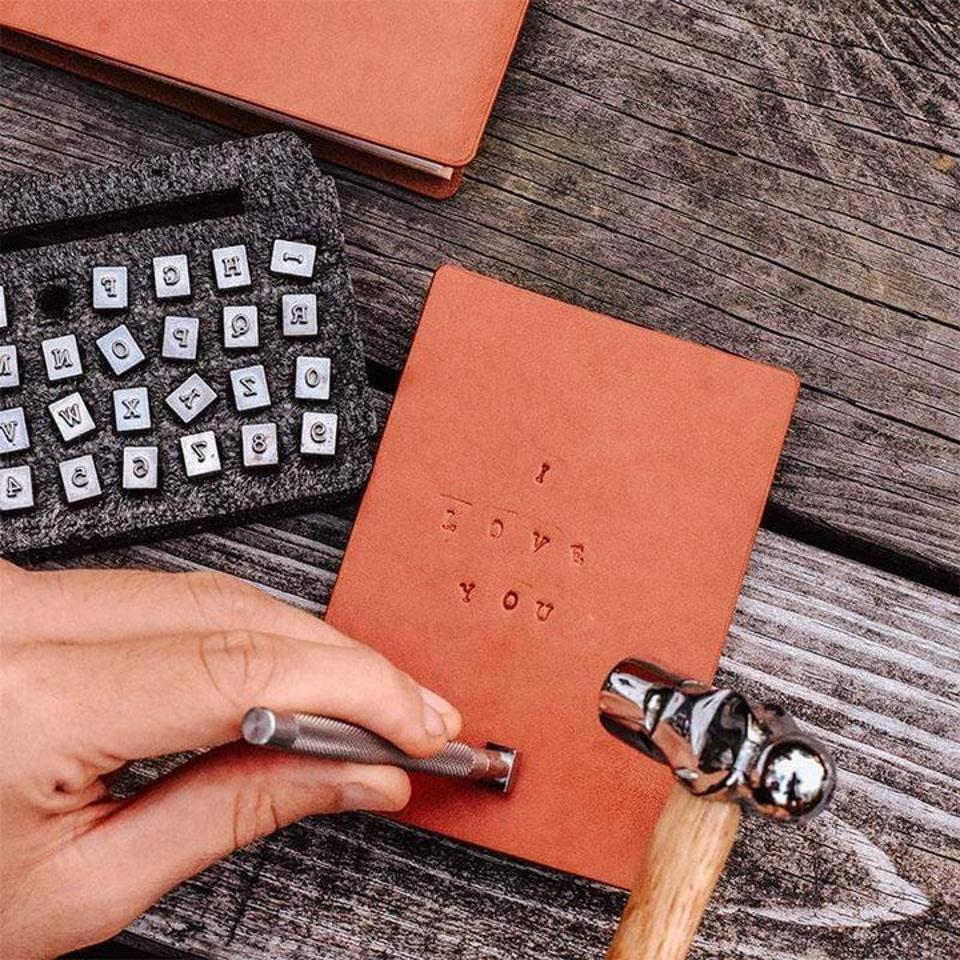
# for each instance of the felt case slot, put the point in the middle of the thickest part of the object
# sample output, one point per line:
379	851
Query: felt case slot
195	208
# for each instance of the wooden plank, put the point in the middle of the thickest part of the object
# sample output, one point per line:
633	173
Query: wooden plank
769	178
872	664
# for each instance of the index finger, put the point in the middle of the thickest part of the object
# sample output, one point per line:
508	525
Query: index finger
94	606
157	696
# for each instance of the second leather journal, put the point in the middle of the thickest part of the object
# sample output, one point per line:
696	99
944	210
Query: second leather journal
556	490
400	89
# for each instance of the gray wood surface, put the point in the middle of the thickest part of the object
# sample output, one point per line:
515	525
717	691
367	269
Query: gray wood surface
776	179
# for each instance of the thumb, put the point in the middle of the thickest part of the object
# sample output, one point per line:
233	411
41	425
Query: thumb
211	806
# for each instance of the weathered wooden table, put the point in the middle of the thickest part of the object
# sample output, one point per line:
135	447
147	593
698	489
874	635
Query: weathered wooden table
778	179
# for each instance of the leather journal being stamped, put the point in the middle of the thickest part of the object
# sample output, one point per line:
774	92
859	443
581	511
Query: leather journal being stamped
556	490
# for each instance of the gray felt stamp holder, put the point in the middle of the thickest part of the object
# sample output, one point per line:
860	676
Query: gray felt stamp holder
53	231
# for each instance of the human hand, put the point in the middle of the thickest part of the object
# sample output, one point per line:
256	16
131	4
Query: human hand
101	667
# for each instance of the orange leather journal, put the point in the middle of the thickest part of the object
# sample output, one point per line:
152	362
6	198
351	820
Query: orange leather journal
556	490
401	89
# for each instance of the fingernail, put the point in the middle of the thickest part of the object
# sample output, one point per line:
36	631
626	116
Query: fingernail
433	722
451	719
436	701
358	796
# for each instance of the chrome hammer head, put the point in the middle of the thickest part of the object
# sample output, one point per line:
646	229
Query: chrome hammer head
717	744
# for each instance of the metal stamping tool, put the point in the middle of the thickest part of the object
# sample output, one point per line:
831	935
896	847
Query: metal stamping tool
331	739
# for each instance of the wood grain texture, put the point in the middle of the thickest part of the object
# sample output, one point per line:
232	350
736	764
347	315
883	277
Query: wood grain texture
869	661
778	180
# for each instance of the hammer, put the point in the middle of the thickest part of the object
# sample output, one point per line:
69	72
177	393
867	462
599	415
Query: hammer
726	755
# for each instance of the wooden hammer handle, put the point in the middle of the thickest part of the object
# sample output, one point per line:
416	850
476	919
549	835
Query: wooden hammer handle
689	848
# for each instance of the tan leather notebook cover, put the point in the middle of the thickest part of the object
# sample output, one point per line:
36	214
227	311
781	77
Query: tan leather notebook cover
556	490
413	76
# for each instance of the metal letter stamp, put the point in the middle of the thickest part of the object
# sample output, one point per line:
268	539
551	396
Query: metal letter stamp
292	259
171	276
201	455
327	738
230	267
241	327
120	350
131	409
318	434
9	367
250	391
180	338
4	320
16	488
191	398
312	378
13	430
72	417
109	288
80	479
258	442
61	357
299	312
141	468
